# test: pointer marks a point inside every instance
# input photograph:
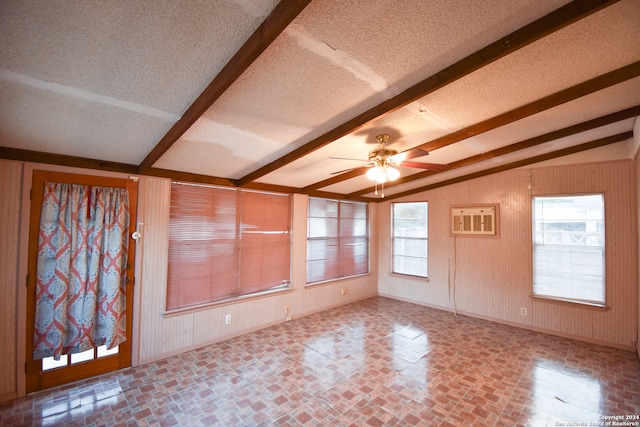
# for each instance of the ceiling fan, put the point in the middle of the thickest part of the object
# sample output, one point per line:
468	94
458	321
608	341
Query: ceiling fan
382	163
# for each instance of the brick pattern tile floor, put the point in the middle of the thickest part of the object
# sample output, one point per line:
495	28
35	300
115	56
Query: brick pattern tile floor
377	362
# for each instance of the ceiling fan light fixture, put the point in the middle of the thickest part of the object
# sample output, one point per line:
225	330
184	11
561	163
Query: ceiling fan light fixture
382	174
383	163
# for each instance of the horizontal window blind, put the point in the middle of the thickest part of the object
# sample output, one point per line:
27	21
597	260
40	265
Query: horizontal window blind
569	248
224	243
410	238
337	239
265	244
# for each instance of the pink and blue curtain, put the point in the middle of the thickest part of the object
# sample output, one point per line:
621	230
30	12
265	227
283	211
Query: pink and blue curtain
82	257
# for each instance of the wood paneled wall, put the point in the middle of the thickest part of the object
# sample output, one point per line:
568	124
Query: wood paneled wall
491	277
10	200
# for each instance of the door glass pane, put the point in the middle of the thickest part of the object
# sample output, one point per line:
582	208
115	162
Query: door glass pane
82	357
102	351
50	363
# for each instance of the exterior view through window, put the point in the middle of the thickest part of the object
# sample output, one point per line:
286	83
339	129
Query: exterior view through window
410	238
568	248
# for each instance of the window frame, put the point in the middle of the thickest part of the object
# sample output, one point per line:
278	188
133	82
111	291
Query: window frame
568	299
394	237
340	241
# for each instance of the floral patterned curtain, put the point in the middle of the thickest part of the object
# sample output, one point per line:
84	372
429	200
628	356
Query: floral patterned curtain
82	257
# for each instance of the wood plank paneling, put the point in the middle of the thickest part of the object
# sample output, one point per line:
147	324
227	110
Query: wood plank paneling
491	278
158	335
10	200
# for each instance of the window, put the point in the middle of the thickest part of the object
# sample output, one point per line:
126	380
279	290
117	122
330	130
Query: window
225	243
337	239
410	238
568	248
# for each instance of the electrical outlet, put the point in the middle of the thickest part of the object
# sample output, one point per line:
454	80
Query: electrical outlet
227	319
287	312
344	291
523	311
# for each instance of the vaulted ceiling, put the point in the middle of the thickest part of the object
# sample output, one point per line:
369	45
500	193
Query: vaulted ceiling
281	95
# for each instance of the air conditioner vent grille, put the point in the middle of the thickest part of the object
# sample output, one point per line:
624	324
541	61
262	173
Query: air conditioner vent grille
474	220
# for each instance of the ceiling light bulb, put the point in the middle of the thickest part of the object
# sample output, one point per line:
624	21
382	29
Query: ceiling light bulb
392	174
371	174
377	174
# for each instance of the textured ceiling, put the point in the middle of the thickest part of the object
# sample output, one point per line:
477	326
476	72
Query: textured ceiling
264	94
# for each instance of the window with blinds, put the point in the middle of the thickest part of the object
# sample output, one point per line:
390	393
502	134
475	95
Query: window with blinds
568	248
337	239
225	243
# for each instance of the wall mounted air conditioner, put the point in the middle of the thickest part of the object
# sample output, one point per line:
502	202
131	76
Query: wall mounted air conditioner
474	220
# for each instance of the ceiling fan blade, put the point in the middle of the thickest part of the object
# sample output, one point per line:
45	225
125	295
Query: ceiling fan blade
342	171
362	168
414	153
420	165
347	158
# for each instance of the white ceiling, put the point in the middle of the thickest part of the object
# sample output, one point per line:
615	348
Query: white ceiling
111	80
